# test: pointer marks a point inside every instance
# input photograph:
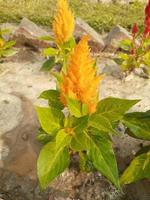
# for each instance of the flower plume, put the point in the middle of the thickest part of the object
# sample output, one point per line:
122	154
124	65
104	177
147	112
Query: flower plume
81	82
63	25
147	20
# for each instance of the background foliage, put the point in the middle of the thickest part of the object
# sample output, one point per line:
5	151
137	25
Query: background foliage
102	17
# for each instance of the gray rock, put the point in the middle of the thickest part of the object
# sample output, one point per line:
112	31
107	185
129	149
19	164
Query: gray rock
19	126
109	67
25	55
113	38
28	34
10	112
96	42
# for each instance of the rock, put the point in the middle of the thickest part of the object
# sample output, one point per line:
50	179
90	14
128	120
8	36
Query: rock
28	34
10	112
25	78
109	67
113	38
96	42
126	147
25	55
19	126
133	192
14	187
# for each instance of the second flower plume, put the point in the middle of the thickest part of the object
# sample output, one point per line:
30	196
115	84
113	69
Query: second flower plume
81	82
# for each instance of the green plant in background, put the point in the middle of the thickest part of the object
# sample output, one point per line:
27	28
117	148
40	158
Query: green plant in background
137	50
102	17
138	126
75	121
6	47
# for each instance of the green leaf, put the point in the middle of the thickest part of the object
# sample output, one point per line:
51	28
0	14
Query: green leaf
46	38
138	124
137	170
147	59
123	56
80	124
101	123
43	137
69	44
51	119
85	163
126	44
52	161
50	52
53	97
79	141
103	158
48	64
9	52
75	107
114	108
9	44
63	138
5	32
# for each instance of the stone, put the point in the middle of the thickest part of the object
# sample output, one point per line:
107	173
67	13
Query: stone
82	28
116	35
10	112
108	66
28	34
25	55
19	126
25	78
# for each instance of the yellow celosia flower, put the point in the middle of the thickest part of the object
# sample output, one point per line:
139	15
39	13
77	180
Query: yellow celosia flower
63	25
81	82
2	42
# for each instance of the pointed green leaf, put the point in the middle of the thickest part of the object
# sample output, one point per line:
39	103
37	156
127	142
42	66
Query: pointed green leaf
53	97
48	64
46	38
101	123
114	108
9	44
43	137
51	119
62	139
75	107
126	44
138	124
137	170
9	52
102	155
79	124
79	140
50	52
52	161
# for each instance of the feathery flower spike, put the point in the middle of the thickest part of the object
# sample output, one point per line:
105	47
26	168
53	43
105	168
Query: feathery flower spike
63	24
81	82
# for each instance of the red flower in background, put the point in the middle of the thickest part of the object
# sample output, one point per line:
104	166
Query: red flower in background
147	9
146	32
134	29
